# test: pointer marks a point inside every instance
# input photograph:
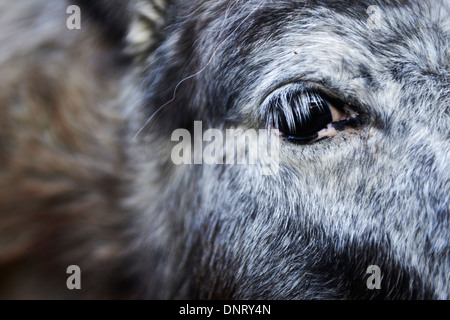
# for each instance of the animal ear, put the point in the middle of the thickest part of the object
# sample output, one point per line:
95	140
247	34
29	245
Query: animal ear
149	16
135	21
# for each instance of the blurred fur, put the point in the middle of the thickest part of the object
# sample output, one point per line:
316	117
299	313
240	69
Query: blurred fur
60	155
86	176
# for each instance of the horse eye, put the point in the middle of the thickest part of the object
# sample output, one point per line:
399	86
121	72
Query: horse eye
300	114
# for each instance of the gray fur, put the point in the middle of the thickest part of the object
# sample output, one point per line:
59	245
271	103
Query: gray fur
379	196
377	193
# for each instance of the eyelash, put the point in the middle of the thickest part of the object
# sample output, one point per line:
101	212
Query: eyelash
296	108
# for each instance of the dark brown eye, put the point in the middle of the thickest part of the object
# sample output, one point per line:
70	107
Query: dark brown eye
301	113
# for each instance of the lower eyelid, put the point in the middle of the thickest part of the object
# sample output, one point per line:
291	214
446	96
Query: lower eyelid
329	131
300	140
335	127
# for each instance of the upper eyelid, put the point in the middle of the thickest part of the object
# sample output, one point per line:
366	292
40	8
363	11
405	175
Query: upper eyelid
295	87
331	94
305	84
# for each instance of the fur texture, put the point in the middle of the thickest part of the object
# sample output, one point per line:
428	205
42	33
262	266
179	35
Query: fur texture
85	149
